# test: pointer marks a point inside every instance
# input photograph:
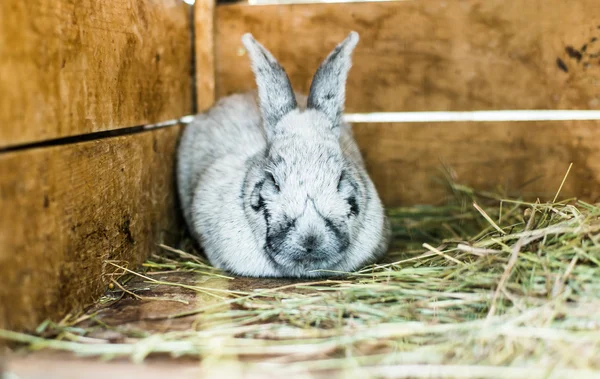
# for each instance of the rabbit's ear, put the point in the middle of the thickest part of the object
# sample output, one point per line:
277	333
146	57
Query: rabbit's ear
275	93
328	89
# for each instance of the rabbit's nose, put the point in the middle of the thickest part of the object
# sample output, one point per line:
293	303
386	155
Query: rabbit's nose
310	243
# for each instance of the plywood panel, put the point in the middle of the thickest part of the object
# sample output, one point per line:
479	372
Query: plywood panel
72	67
66	210
204	18
429	55
407	161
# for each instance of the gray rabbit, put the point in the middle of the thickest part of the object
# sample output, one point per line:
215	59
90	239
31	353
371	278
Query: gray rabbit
276	186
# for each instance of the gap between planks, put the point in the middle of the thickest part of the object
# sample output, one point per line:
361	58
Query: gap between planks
96	136
379	117
463	116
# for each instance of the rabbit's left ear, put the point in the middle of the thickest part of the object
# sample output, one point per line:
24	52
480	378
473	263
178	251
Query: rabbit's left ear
275	93
328	89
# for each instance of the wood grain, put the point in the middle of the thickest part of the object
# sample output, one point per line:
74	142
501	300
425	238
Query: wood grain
66	210
408	162
429	55
204	19
72	67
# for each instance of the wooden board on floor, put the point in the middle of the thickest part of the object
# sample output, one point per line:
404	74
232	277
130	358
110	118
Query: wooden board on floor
406	161
67	210
73	67
68	366
429	55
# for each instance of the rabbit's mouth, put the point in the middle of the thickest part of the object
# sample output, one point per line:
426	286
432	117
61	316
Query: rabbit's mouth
306	244
295	260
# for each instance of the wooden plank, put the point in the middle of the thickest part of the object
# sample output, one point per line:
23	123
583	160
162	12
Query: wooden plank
429	55
66	210
406	161
67	366
72	67
204	19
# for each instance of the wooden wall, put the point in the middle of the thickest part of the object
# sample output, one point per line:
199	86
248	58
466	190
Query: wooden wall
69	69
440	55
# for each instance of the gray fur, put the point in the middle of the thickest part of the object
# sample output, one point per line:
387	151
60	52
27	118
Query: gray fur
275	190
275	93
328	89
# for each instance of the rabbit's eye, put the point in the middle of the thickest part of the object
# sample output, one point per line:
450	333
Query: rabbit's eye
341	181
272	179
256	200
353	206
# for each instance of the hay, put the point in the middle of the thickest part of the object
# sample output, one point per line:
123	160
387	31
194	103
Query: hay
480	287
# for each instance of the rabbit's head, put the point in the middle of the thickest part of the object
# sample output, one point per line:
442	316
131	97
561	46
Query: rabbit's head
303	197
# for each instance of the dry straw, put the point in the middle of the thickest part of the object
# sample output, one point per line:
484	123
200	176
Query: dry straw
482	287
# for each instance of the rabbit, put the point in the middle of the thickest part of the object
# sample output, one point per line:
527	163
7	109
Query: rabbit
272	183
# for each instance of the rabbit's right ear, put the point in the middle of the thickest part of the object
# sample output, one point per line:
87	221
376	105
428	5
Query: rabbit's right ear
275	94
